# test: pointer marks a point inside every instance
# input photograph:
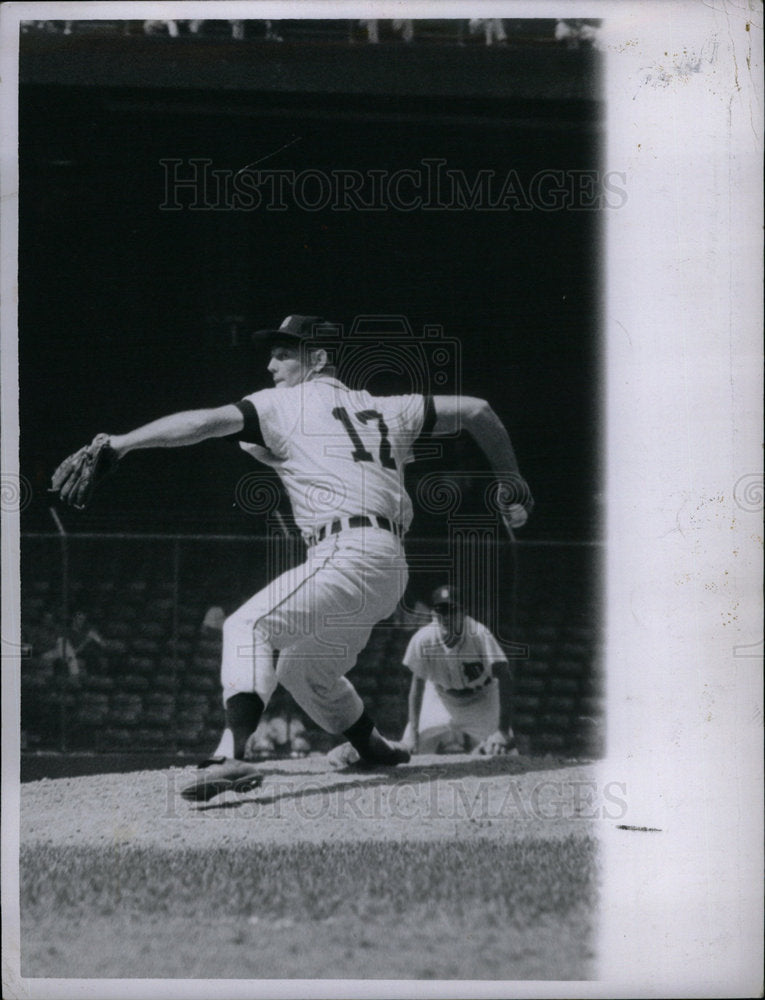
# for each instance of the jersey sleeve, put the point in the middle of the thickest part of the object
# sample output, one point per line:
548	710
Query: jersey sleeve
409	418
491	649
251	432
413	657
262	420
428	418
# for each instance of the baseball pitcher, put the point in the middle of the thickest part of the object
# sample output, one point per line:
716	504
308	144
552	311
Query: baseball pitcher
340	454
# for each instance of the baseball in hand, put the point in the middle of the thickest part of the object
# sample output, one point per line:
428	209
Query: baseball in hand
516	515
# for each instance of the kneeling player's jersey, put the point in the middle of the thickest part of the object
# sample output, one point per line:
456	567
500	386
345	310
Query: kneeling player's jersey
464	667
339	452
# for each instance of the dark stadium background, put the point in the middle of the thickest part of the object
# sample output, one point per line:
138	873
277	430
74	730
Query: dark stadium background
128	312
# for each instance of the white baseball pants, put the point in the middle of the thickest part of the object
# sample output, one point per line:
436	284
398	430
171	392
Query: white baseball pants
444	719
318	617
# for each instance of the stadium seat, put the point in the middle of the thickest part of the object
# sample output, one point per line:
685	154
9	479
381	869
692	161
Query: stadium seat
527	684
179	647
209	648
152	630
561	704
191	717
118	629
163	681
541	650
189	736
140	664
124	612
586	634
571	668
523	722
546	633
550	742
97	682
159	709
206	664
145	647
554	722
592	706
125	713
526	703
588	736
192	701
564	685
199	682
575	651
118	739
93	709
152	738
533	668
591	686
134	683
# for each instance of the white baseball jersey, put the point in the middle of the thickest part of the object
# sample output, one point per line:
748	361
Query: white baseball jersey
338	451
463	668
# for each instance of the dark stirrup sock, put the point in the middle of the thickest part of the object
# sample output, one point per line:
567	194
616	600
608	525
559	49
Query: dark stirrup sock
358	734
243	712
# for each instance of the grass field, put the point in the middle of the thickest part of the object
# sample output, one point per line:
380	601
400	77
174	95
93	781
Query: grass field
464	868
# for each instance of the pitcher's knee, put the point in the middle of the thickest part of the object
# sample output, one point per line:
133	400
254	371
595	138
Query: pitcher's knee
291	672
330	701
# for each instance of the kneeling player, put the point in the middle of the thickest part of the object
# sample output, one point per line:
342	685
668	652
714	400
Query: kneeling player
459	700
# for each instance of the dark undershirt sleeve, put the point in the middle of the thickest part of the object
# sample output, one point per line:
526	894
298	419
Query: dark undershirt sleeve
429	420
251	432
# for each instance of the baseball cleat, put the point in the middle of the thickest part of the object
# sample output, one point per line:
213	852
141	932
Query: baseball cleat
346	755
222	774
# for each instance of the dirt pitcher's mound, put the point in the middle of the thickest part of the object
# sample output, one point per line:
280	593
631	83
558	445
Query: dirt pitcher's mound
432	798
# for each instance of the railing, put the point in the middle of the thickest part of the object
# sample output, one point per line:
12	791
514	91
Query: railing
154	685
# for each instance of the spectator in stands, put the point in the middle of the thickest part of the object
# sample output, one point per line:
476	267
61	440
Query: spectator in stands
272	32
493	29
74	653
160	28
373	32
279	735
212	623
402	27
572	32
197	27
41	638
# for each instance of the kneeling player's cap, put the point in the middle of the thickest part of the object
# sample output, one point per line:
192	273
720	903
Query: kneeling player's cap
295	330
446	597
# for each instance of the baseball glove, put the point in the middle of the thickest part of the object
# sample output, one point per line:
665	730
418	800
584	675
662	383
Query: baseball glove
78	475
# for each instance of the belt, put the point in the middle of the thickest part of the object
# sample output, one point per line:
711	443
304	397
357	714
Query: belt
354	521
464	692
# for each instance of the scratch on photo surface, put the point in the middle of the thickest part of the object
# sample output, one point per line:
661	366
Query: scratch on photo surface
268	156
